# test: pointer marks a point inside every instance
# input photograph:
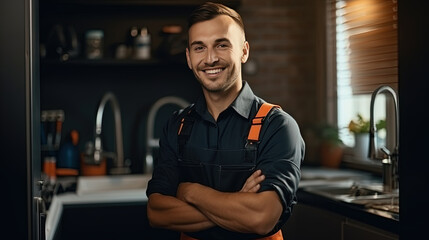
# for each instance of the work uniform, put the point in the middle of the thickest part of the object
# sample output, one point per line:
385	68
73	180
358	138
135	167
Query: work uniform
216	154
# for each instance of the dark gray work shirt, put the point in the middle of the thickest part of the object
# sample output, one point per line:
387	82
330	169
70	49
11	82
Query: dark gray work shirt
221	145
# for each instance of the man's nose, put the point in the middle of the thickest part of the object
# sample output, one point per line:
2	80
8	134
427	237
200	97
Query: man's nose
211	56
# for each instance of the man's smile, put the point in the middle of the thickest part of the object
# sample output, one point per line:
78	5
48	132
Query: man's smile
213	71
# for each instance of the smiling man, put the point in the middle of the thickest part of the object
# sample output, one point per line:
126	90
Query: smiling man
214	179
216	59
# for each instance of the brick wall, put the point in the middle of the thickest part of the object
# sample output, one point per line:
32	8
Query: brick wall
284	37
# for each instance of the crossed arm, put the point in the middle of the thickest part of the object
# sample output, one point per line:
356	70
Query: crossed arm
197	207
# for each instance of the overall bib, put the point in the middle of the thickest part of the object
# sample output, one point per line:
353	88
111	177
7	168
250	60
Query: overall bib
225	170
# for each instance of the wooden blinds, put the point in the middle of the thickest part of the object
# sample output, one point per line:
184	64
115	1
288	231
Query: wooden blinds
367	45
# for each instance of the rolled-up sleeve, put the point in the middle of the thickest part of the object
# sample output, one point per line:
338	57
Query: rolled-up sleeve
280	154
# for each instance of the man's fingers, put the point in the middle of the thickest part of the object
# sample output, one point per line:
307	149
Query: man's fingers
252	183
255	188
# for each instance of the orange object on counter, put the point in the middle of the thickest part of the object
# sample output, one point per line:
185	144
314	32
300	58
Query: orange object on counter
67	172
92	169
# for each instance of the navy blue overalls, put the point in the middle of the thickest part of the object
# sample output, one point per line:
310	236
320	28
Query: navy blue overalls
223	170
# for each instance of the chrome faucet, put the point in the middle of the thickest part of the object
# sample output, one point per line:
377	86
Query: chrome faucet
390	164
152	142
98	150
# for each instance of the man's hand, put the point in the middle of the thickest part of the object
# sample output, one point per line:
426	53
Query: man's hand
252	183
183	189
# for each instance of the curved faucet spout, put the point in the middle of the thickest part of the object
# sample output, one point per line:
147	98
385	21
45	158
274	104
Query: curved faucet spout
119	155
372	154
152	142
390	164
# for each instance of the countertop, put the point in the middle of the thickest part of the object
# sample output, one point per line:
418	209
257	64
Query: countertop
313	176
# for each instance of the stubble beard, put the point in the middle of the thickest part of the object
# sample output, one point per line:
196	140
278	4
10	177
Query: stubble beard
223	86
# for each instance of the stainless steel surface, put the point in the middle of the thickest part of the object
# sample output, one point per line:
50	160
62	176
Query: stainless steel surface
392	180
118	155
369	195
355	193
151	141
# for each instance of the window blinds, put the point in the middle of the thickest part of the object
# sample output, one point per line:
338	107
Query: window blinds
366	43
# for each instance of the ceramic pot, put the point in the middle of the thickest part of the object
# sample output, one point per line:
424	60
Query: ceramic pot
331	155
361	147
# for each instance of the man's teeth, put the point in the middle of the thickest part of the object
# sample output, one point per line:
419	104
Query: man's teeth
214	71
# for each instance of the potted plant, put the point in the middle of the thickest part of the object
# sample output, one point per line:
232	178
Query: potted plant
360	129
331	146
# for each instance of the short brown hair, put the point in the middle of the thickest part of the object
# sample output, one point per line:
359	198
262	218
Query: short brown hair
210	10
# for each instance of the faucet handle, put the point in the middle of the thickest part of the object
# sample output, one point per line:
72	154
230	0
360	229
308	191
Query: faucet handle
387	174
386	151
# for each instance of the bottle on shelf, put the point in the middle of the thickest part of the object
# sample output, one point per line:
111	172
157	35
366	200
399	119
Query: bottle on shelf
142	44
94	44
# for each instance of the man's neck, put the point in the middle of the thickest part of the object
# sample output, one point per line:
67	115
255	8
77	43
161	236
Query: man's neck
217	102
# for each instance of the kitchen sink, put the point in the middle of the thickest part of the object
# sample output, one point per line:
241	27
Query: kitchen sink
368	195
351	188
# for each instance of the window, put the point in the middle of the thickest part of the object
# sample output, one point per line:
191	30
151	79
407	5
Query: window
362	41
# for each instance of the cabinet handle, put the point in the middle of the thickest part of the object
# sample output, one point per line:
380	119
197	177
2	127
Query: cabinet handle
41	217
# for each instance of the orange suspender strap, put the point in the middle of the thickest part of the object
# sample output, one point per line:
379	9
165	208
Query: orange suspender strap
181	126
255	129
276	236
182	122
186	237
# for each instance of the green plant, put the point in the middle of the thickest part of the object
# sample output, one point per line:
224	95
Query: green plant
330	145
361	125
328	133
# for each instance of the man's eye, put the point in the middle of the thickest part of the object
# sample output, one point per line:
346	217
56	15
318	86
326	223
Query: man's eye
222	46
199	48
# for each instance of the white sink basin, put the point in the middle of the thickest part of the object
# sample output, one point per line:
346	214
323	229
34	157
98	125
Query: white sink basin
97	190
100	184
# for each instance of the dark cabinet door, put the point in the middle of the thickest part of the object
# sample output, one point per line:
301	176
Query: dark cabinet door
19	107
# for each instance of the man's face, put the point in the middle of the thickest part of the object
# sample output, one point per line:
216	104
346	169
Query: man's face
216	50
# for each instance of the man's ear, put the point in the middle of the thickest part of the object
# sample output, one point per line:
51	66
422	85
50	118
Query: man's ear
246	49
188	59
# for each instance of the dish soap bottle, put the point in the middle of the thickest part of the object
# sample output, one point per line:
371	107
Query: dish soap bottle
68	156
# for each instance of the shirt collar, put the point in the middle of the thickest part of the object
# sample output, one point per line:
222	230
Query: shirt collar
244	101
242	104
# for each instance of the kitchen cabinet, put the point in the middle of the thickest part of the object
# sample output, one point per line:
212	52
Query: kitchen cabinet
354	230
310	222
19	102
109	221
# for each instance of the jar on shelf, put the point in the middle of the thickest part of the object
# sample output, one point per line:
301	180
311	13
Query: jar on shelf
94	44
142	44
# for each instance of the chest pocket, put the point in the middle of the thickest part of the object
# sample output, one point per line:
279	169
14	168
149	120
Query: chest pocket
223	170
